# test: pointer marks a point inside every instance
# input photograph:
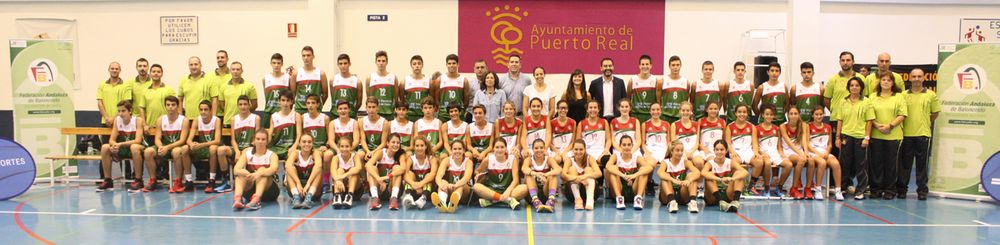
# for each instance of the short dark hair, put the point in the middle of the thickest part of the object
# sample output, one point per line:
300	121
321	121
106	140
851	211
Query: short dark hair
171	98
674	58
381	53
243	98
451	57
806	65
738	64
774	64
878	88
707	62
607	59
155	66
847	53
277	56
344	57
205	103
141	60
126	104
417	57
514	55
223	51
285	94
645	57
308	48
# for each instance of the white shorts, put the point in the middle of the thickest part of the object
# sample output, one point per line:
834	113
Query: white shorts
745	155
655	153
776	158
789	152
813	154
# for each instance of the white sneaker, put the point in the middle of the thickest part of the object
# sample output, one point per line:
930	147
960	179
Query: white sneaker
818	193
407	200
620	200
421	202
637	203
839	196
693	207
701	193
672	206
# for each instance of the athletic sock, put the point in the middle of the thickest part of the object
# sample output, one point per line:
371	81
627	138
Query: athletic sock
211	176
575	188
312	190
721	196
294	191
736	195
395	192
443	196
373	191
496	197
670	197
189	177
533	192
552	192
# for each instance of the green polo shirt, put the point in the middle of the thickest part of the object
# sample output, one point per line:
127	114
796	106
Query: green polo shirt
153	102
230	94
886	110
219	82
853	116
111	94
836	89
920	106
138	87
872	81
195	91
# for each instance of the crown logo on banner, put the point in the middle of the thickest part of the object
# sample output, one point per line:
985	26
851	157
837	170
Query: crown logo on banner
505	33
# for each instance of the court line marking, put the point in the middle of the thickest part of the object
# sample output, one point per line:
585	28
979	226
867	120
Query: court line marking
311	214
484	222
197	204
761	228
906	212
577	236
980	222
531	227
349	241
863	212
88	211
17	214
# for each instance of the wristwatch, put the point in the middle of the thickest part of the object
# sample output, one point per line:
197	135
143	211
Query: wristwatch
868	137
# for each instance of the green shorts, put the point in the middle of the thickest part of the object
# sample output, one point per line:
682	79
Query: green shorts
643	117
200	153
169	155
281	151
669	119
124	152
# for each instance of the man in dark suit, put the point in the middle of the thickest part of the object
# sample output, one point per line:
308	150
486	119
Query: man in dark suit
607	90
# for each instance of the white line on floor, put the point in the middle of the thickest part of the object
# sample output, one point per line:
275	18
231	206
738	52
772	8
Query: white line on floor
489	222
88	211
980	222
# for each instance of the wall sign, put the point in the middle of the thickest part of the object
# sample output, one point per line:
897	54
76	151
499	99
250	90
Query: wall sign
979	31
178	29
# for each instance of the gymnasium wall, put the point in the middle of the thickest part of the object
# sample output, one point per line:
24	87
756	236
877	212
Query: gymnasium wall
252	30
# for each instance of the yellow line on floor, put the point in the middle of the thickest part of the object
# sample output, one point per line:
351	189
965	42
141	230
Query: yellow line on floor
531	227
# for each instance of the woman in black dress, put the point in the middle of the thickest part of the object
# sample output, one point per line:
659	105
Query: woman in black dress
576	96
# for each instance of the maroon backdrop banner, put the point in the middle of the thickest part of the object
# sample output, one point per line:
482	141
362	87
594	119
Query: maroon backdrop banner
561	35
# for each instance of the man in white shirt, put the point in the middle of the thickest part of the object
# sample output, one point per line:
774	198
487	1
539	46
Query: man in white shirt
514	82
607	90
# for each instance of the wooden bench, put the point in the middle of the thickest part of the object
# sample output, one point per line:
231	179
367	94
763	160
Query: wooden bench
69	135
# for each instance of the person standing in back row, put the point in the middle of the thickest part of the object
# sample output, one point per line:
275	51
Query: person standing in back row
345	87
220	77
675	90
774	93
382	86
642	89
514	82
454	89
307	80
607	90
922	108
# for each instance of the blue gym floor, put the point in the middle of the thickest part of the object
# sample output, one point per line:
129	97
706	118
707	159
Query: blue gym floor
70	214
